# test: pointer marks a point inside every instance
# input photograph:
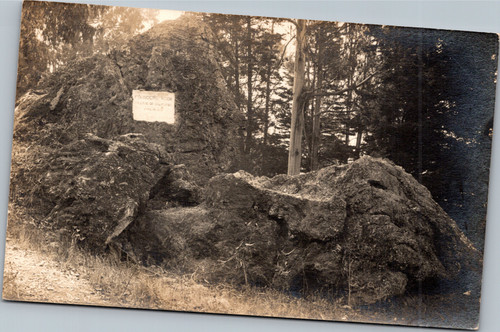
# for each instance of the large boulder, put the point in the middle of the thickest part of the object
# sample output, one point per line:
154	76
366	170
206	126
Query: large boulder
368	228
94	95
93	188
75	161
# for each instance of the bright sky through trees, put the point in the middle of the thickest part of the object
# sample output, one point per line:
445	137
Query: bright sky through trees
169	15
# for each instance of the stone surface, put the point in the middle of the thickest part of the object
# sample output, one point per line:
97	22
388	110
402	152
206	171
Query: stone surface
96	187
367	228
75	161
94	95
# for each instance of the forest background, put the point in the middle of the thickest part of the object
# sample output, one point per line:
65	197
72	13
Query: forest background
257	143
420	97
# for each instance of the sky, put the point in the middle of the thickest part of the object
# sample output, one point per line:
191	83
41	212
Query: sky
169	15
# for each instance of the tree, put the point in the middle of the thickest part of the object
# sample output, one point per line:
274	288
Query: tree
297	122
416	104
45	26
251	54
116	25
324	53
54	33
228	36
250	126
335	72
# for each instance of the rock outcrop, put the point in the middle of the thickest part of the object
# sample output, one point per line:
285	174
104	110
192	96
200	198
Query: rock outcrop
368	228
94	95
75	161
93	188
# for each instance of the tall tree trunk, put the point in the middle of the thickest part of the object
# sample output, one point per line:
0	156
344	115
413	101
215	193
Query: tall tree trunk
358	140
348	111
237	95
316	112
250	119
268	91
316	134
268	105
350	80
237	92
297	123
309	108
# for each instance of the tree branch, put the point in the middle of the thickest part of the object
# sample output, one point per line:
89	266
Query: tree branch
278	64
291	21
339	92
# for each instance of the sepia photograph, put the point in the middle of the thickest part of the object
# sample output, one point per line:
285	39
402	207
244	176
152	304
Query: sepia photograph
246	165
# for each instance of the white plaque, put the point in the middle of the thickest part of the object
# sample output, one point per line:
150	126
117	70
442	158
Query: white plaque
153	106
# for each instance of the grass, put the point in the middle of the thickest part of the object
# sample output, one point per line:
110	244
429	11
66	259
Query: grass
126	284
118	283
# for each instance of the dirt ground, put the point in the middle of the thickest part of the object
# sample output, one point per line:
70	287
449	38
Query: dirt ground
34	277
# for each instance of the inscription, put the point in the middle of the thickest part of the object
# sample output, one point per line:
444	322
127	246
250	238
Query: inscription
153	106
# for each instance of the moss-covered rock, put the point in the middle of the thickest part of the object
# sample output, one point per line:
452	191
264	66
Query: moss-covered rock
94	95
368	228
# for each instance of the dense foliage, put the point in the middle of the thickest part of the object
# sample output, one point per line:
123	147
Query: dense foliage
422	98
55	33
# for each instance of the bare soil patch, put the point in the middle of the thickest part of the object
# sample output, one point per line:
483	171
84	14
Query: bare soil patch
35	277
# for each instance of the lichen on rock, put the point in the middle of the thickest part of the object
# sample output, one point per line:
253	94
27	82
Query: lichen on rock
368	228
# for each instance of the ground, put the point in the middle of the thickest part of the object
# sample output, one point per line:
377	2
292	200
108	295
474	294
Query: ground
35	277
41	271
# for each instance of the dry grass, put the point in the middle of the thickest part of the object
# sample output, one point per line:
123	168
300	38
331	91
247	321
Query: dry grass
11	290
110	281
125	284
